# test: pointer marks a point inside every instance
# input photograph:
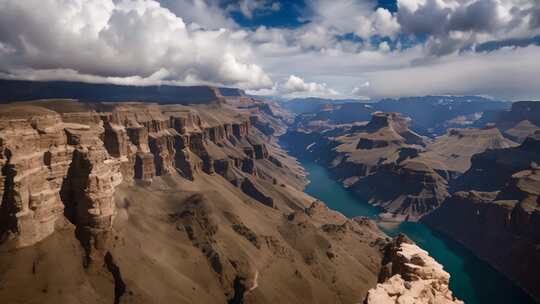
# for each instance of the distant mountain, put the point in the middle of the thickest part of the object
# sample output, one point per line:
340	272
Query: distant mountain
436	113
518	122
431	115
231	92
312	104
18	90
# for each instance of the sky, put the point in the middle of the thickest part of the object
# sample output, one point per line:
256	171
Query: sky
363	49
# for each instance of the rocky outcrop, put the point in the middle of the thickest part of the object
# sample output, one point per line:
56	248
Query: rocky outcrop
493	169
118	145
88	196
406	191
501	227
451	154
517	123
51	168
410	275
35	157
251	189
361	150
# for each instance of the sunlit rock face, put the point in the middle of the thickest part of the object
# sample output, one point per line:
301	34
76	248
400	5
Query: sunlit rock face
410	275
199	182
70	163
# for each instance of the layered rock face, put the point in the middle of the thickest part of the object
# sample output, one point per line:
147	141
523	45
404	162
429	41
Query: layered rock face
169	204
75	160
406	191
517	123
451	154
378	161
392	167
362	149
35	157
492	169
50	165
500	225
410	275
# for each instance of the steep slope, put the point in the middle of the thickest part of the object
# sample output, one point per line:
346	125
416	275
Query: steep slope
377	161
146	203
364	148
501	225
492	169
451	153
522	120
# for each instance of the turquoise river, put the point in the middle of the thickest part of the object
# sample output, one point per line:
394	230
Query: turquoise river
472	280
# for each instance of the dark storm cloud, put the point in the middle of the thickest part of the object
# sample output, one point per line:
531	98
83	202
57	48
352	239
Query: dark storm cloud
480	16
450	25
535	17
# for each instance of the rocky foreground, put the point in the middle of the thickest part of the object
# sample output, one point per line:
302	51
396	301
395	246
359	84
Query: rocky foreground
147	203
410	275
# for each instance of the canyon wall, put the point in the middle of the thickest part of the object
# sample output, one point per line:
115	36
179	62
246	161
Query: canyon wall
146	203
70	163
496	211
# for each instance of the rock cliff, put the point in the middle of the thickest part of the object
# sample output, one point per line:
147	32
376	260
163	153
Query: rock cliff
518	122
410	275
167	203
391	166
501	207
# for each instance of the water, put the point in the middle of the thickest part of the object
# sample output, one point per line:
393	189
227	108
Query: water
472	280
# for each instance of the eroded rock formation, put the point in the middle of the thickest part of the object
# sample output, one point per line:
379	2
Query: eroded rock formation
410	275
501	205
170	204
53	161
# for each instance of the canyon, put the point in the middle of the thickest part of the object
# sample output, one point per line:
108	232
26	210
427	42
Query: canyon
154	203
196	200
476	184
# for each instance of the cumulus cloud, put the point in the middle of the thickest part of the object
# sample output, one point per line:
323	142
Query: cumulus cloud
297	86
122	39
451	25
351	16
343	48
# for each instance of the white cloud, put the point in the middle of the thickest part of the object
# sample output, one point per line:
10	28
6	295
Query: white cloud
124	39
385	23
384	46
297	86
249	7
352	16
196	42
